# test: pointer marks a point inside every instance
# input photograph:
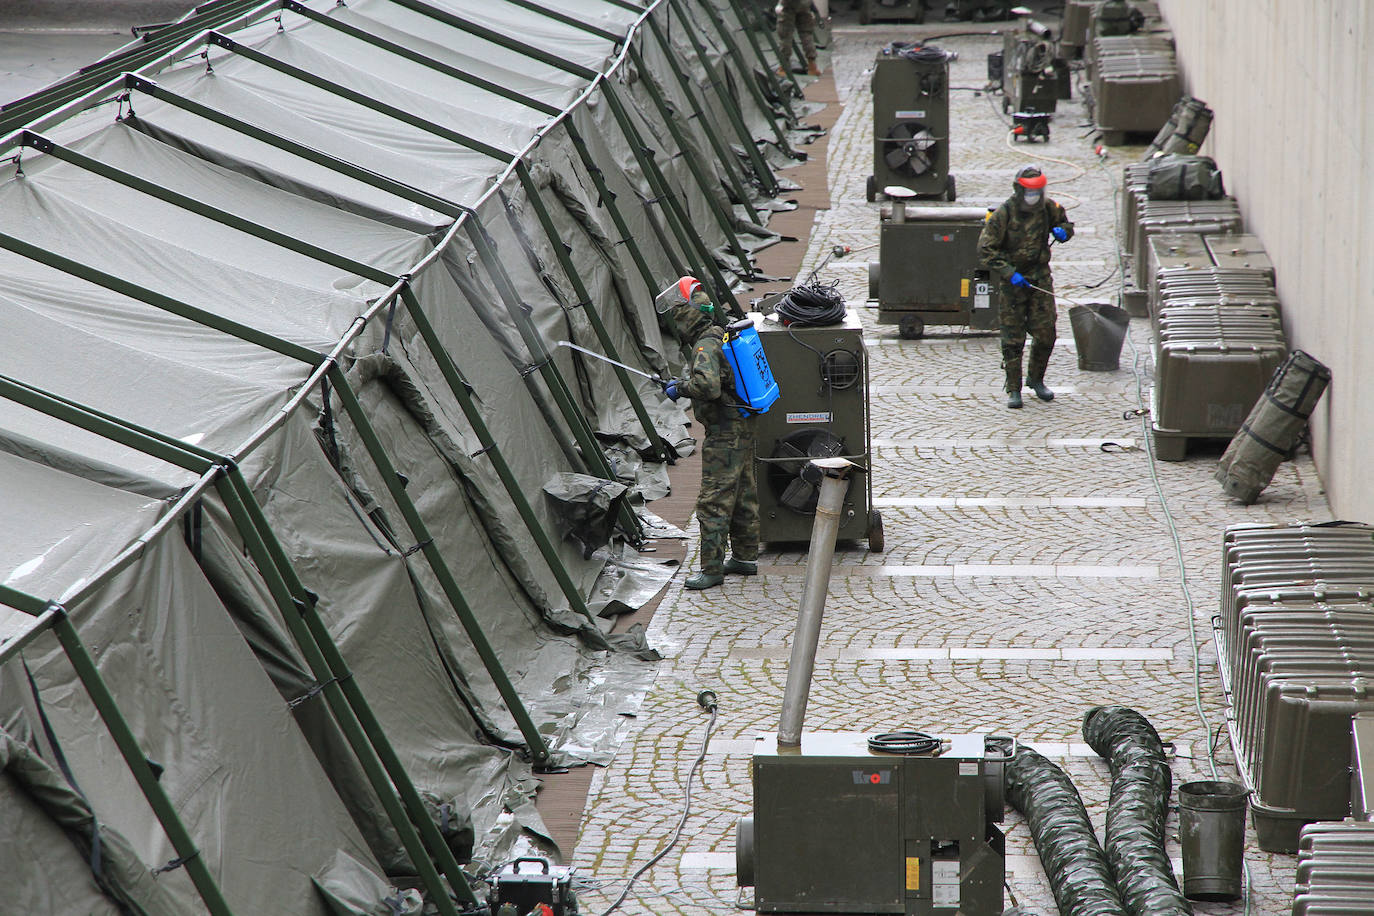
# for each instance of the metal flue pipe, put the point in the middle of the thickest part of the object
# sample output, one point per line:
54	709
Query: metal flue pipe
834	474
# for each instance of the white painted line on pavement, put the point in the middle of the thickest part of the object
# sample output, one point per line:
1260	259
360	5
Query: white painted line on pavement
1035	502
997	442
966	653
707	861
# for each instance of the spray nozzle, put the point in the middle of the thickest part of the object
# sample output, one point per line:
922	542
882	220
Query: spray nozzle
707	700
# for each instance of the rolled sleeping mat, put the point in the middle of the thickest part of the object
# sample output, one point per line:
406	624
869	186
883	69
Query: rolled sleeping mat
1274	429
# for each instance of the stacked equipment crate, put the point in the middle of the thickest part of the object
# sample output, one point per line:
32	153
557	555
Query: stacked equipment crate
1335	870
1218	335
1135	79
1295	640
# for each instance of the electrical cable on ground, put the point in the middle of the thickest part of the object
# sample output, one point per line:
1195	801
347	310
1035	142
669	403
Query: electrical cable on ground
707	700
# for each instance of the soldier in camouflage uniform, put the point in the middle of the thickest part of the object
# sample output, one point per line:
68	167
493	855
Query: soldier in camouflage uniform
728	505
796	16
1015	246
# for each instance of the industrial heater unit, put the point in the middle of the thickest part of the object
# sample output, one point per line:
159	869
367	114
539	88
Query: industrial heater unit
911	121
822	412
899	823
927	269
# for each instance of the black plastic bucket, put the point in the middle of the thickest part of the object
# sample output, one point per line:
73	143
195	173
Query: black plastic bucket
1098	331
1211	828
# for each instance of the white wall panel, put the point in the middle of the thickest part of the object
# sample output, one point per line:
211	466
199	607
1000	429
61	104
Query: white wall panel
1290	83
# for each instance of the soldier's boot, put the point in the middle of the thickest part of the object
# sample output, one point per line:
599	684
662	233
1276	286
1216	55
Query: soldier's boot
811	68
703	580
1013	385
742	567
1041	392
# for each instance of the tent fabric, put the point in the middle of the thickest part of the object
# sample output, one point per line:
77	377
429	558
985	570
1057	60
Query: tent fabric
233	762
189	636
46	820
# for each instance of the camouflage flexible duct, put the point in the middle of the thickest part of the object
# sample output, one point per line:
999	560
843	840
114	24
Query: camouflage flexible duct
1073	860
1141	783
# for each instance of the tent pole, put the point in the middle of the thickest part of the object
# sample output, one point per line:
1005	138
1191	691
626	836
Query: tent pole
539	750
441	205
188	854
577	423
385	772
164	45
463	393
749	21
747	71
670	118
589	308
344	263
728	161
544	364
746	76
304	354
161	302
677	216
762	171
608	199
334	677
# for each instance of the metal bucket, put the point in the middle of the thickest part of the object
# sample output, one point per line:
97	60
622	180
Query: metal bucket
1211	818
1098	332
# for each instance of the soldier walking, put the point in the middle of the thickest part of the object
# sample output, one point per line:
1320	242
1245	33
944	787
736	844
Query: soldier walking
1015	245
796	16
728	504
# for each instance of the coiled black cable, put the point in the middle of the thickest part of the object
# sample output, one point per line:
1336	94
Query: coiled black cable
813	304
904	741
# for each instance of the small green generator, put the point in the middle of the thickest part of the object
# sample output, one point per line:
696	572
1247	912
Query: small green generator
927	270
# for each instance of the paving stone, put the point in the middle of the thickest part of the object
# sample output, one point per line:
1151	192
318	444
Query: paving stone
966	484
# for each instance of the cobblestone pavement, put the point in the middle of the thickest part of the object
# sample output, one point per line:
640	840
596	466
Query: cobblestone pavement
1029	573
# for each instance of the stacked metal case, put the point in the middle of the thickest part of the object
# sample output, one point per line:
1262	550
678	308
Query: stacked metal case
1295	638
1135	82
1335	874
1218	334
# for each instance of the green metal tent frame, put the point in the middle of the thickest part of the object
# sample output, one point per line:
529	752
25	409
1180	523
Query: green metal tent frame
220	472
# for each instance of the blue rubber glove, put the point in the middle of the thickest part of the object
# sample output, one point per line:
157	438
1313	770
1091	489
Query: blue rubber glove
670	389
1018	280
1060	233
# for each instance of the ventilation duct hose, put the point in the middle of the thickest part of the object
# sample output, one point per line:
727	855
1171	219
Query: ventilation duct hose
1141	782
1063	835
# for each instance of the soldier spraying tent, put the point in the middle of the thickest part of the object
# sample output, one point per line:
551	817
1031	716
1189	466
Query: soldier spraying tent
728	504
1015	246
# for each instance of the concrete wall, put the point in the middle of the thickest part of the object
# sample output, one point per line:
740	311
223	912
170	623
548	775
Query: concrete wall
1290	83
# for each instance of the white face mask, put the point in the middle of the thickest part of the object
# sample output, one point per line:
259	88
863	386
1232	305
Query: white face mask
1030	197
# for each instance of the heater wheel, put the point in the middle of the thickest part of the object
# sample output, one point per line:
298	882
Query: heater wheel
875	531
910	327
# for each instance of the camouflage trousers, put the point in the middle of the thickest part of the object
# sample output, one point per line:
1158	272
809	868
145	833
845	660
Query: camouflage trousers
728	504
1027	311
796	17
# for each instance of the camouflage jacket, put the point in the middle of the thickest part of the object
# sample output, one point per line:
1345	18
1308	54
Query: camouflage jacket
710	383
1019	240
